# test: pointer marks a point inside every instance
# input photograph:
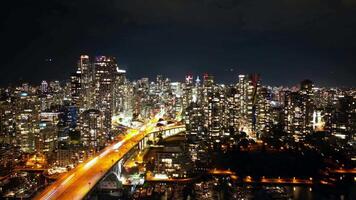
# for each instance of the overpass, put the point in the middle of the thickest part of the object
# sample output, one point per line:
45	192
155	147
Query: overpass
77	183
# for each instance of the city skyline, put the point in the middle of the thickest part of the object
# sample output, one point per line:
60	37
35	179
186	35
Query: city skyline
231	73
178	99
99	131
283	41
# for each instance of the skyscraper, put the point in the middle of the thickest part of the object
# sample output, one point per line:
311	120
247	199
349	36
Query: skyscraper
44	87
75	89
120	92
85	72
248	94
92	129
306	92
213	103
82	84
299	109
105	76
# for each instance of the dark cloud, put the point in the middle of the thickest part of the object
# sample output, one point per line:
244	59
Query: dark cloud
285	41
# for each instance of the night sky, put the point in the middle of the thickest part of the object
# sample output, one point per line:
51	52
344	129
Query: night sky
283	40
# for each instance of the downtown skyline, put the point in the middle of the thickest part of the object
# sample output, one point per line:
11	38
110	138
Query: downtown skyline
68	139
178	99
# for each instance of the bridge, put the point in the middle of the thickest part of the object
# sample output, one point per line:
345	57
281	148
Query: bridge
77	183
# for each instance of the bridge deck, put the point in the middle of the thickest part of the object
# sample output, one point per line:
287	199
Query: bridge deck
77	183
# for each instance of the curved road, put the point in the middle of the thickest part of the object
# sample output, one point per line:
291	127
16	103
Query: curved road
77	183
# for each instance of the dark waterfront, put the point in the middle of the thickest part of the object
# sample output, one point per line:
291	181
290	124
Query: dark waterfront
254	172
213	189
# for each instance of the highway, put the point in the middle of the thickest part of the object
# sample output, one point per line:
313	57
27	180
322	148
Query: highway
77	183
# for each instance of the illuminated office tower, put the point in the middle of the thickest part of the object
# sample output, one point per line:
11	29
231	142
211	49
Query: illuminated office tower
247	103
306	92
46	141
27	121
242	87
213	105
263	112
85	72
48	135
187	91
120	92
82	83
242	104
231	111
126	106
293	114
324	101
162	85
177	98
44	87
75	89
57	94
140	92
84	69
299	110
195	131
92	129
217	121
7	122
344	118
194	122
207	97
105	76
68	119
67	149
160	82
